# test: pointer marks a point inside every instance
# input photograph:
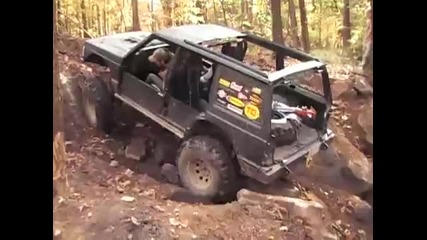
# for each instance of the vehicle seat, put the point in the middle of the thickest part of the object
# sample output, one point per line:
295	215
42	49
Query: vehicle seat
237	52
155	81
179	84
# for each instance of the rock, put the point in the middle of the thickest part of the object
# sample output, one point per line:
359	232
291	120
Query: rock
311	211
127	199
165	150
330	236
340	87
283	187
362	211
355	165
170	172
362	87
128	173
136	149
114	163
341	166
365	121
368	196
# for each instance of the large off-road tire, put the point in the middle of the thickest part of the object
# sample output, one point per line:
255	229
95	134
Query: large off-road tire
97	105
206	168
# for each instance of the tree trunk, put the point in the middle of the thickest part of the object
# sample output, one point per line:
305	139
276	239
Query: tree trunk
320	22
67	29
346	24
242	11
84	19
277	21
215	11
104	17
294	24
58	16
167	10
304	28
368	55
153	23
249	6
224	13
173	13
98	20
201	6
277	29
122	15
135	17
59	180
89	15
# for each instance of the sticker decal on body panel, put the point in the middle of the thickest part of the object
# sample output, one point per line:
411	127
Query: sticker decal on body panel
235	109
252	112
235	101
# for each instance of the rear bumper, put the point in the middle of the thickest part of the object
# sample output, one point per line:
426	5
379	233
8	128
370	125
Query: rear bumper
269	174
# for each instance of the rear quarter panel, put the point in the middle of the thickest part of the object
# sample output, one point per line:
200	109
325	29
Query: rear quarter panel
239	106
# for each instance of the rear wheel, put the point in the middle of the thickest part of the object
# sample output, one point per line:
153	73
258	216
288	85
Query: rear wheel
205	168
97	105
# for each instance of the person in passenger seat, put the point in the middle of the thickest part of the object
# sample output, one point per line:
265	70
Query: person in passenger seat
161	58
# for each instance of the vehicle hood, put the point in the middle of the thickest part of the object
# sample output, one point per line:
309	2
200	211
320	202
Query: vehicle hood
117	44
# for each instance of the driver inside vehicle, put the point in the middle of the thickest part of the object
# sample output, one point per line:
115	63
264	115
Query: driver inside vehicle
161	58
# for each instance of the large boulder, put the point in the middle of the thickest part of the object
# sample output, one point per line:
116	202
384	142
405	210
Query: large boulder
355	166
339	87
360	209
311	211
365	121
341	166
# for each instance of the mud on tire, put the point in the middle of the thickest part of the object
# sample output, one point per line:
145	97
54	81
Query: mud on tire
206	168
97	105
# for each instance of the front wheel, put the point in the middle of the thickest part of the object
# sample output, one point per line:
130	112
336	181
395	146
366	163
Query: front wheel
205	168
97	105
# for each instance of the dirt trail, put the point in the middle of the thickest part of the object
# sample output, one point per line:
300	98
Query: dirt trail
133	200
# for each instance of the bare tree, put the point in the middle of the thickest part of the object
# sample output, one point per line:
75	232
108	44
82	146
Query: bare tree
277	21
293	23
59	181
277	28
304	28
346	24
84	19
368	55
135	17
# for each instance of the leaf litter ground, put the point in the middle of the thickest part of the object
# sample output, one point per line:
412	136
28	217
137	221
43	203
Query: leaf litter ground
131	200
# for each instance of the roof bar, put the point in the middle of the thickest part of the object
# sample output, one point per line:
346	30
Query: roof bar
220	55
288	51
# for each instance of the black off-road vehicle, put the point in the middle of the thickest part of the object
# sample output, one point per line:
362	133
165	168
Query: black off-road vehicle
242	120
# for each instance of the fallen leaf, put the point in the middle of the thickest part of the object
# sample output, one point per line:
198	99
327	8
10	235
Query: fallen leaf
57	232
61	200
128	173
82	207
158	208
127	198
174	222
149	193
135	221
284	228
